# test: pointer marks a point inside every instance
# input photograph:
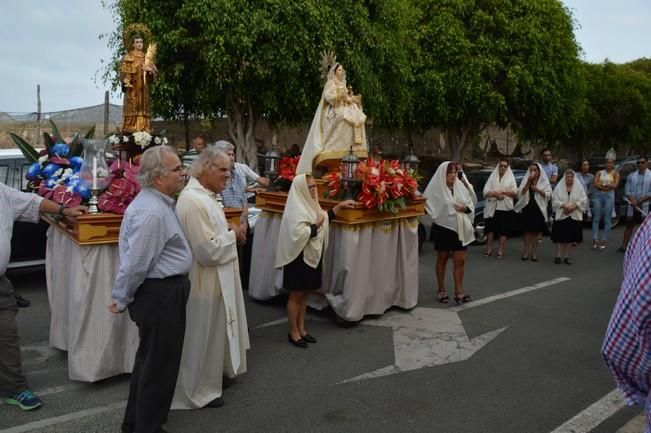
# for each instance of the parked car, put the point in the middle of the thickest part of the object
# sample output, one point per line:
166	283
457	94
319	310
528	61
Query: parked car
27	240
478	179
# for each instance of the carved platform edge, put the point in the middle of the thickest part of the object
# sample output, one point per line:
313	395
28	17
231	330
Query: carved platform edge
275	202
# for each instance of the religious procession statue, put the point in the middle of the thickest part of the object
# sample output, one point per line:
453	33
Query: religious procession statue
137	72
338	124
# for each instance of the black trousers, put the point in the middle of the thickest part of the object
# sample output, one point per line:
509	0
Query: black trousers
158	310
12	379
245	253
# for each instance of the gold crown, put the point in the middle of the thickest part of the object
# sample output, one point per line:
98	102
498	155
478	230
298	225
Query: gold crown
136	29
327	61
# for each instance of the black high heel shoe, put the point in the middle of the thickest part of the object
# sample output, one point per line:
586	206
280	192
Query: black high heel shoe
309	339
462	299
298	343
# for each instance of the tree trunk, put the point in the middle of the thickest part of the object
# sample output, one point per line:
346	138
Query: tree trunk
458	140
241	128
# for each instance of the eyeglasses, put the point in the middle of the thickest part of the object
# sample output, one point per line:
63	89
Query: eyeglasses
641	162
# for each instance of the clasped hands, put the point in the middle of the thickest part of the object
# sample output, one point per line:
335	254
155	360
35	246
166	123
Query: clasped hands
568	208
497	194
240	232
460	208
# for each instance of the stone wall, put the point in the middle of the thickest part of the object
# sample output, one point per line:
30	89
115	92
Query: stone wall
491	143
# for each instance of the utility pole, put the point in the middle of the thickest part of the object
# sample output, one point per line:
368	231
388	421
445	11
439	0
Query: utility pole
106	112
38	114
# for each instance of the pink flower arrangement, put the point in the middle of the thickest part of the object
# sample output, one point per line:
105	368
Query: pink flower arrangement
123	188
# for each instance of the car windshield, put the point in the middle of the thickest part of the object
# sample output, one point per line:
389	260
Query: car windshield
478	180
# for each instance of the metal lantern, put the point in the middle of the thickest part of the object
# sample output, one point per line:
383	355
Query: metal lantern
271	165
94	171
349	165
410	162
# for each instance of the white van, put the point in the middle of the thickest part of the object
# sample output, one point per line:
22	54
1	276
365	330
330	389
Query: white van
27	240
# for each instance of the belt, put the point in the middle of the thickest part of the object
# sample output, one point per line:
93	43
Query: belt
171	277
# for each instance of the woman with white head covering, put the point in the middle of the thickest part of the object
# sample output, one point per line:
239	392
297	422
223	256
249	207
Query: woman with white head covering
499	192
302	240
533	196
569	201
603	200
451	207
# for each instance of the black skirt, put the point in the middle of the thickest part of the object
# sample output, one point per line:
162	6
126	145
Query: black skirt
297	275
532	219
446	239
501	224
567	231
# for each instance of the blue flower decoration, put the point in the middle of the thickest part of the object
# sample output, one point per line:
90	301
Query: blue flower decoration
75	162
34	171
73	180
50	183
50	169
60	149
81	189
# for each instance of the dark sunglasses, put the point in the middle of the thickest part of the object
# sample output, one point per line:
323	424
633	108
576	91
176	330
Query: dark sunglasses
641	162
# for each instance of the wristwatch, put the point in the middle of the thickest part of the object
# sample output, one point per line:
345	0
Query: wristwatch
62	207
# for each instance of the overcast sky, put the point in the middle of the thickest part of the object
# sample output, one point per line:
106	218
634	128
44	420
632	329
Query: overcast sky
55	43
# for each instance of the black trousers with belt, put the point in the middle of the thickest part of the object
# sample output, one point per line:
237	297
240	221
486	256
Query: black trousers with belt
158	310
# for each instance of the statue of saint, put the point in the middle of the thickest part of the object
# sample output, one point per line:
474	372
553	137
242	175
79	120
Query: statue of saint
137	71
338	124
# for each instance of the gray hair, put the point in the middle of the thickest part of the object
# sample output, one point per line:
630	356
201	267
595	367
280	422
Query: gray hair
206	159
223	145
151	164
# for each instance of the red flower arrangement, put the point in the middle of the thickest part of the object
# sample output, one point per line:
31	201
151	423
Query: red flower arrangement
286	171
385	185
287	167
123	188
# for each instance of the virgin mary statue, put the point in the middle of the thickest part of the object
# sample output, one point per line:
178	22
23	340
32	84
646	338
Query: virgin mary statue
337	126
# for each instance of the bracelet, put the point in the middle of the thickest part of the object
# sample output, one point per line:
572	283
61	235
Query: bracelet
62	207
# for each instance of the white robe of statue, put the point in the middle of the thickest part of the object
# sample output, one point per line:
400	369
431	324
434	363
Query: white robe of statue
216	333
338	124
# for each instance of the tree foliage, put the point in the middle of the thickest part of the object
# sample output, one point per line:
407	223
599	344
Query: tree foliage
260	59
617	108
503	62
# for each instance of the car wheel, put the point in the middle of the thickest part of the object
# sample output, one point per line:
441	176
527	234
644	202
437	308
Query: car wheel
480	233
421	236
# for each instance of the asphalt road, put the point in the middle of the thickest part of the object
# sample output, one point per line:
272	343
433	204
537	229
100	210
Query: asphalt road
532	362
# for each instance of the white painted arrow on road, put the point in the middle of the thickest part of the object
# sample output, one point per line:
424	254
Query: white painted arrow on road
427	337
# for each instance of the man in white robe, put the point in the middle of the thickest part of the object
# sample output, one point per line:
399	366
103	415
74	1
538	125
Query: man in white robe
216	337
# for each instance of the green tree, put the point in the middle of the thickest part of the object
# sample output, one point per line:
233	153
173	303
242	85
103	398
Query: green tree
497	62
248	60
617	108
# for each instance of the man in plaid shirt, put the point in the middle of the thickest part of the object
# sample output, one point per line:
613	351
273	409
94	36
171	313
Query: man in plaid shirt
627	346
234	195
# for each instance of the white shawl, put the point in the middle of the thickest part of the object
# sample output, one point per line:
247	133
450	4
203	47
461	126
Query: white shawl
440	205
301	211
541	201
495	184
470	188
577	196
314	141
